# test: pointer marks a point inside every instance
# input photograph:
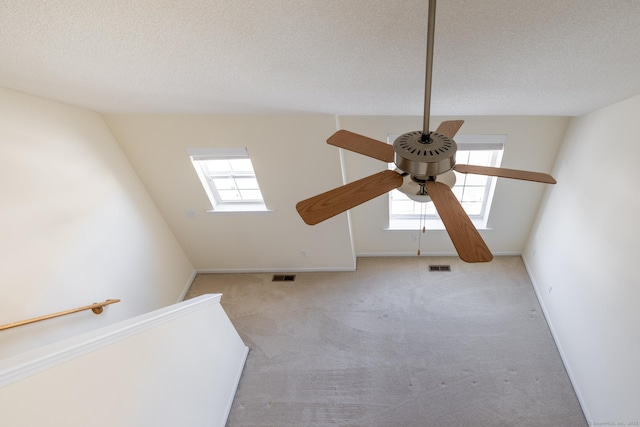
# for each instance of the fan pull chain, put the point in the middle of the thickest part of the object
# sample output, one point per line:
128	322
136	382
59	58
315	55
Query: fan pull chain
420	235
423	229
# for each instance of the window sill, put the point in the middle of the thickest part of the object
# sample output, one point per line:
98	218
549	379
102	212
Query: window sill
430	224
235	208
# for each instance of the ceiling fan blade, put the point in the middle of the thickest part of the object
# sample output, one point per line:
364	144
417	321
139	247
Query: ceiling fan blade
463	234
333	202
450	127
506	173
362	145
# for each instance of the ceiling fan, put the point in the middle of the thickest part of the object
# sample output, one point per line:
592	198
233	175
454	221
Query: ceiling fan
426	157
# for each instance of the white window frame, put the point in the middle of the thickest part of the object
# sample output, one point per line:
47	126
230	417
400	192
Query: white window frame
432	221
218	204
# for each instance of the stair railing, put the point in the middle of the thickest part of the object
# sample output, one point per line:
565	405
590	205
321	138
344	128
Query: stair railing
97	308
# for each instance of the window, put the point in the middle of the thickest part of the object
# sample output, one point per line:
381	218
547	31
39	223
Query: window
474	191
228	178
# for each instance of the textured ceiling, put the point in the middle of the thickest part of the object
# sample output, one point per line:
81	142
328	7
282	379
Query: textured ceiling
359	57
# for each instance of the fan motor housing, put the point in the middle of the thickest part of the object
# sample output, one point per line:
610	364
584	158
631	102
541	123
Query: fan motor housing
424	159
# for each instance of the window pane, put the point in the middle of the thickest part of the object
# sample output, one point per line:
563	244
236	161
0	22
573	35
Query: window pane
251	194
241	165
430	209
462	156
480	158
472	194
402	207
247	183
473	179
472	208
229	195
216	165
457	191
224	183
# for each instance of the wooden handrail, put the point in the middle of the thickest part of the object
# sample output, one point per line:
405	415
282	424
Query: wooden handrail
97	308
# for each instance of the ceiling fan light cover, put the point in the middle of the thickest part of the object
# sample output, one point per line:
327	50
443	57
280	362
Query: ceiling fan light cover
411	189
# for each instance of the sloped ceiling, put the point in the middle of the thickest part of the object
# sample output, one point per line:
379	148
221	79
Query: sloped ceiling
354	57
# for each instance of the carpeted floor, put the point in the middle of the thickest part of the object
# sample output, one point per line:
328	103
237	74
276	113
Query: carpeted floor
393	344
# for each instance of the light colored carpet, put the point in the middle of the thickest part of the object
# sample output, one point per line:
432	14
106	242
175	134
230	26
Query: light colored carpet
393	344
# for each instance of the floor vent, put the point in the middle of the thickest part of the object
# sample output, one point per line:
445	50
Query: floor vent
439	268
283	278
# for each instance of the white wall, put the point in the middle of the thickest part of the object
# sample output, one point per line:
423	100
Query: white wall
532	144
292	162
77	226
177	366
582	257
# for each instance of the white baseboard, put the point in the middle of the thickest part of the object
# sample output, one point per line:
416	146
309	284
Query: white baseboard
327	269
426	255
232	395
187	286
402	254
567	367
272	270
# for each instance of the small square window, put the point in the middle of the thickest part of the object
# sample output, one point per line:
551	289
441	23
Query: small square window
228	178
